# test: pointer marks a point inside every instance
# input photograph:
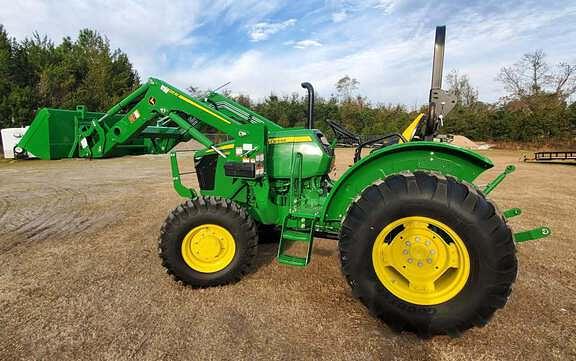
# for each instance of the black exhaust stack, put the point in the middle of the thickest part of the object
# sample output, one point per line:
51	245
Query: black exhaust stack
310	112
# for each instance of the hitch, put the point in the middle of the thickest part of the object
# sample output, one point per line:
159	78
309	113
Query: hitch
533	234
512	212
519	237
496	181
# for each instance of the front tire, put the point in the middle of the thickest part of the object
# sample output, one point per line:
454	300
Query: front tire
208	241
427	254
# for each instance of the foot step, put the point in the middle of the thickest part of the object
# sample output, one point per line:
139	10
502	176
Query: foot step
289	235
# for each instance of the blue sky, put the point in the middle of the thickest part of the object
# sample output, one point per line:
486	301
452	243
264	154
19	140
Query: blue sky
272	46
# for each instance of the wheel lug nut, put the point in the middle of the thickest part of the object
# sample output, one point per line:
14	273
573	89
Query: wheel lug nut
420	264
408	243
427	242
432	251
429	260
405	251
410	260
417	239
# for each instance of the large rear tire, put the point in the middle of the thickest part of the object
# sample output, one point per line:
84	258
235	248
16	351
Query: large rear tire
427	254
208	241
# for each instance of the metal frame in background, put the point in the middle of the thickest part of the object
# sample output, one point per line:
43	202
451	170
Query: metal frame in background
552	156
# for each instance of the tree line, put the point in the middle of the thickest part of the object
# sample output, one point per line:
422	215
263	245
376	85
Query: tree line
36	73
537	108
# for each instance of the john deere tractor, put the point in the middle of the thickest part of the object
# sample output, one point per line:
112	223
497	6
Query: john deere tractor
420	244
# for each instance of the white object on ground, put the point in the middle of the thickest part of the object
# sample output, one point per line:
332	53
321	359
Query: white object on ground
11	137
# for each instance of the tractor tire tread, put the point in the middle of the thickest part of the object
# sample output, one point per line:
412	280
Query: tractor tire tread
432	186
171	230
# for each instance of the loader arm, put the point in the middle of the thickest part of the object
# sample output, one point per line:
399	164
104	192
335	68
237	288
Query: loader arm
239	112
153	102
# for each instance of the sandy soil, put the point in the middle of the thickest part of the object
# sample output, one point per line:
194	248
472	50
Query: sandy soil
463	141
80	277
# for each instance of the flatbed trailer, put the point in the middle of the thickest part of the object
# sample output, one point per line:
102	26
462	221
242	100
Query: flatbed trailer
551	156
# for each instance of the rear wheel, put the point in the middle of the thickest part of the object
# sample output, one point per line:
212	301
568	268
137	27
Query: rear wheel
208	241
427	254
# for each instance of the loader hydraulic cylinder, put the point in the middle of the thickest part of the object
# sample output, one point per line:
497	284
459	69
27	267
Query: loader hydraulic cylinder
194	133
124	102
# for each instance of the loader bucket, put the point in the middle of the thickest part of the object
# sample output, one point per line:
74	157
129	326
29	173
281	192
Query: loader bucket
54	134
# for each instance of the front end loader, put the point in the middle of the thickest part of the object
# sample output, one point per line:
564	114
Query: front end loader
421	245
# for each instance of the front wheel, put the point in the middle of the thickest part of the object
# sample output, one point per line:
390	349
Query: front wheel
427	254
208	241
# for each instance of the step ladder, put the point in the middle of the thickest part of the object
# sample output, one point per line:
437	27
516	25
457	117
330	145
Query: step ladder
297	227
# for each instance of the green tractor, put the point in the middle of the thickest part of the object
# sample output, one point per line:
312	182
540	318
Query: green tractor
420	244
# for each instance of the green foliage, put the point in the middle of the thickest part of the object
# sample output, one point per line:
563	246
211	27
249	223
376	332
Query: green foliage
536	118
35	73
357	115
288	111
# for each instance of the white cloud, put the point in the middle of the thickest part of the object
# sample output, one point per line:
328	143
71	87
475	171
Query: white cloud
229	12
387	6
263	30
308	43
339	16
384	73
137	27
391	58
141	28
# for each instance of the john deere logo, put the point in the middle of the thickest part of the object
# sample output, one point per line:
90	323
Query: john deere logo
152	101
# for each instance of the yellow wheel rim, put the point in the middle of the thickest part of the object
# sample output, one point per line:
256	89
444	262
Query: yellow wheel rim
208	248
421	260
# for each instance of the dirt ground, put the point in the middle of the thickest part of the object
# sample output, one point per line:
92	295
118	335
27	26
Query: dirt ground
80	277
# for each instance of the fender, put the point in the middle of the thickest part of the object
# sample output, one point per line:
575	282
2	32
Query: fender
446	159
